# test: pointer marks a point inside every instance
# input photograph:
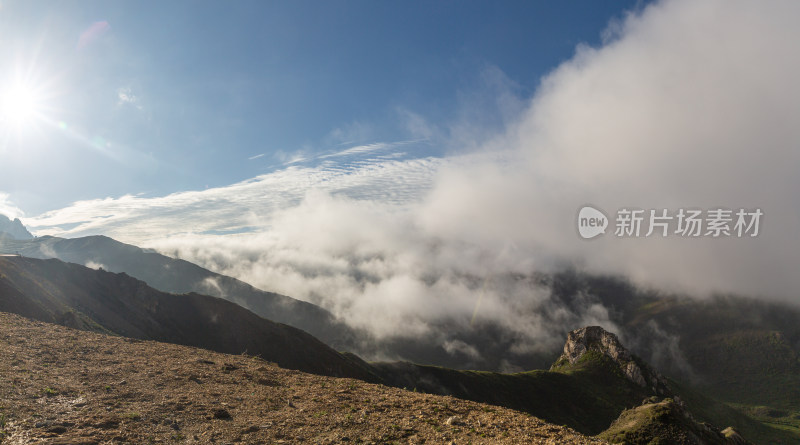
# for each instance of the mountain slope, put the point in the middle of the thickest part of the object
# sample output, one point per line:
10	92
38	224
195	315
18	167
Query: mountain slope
73	387
100	301
178	276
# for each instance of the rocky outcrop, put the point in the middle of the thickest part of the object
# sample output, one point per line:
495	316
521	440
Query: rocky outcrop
14	228
595	338
662	416
734	437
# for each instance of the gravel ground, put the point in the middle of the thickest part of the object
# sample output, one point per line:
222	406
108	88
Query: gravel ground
61	386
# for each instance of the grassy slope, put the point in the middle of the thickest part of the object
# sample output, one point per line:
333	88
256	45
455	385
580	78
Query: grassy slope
659	423
710	410
587	398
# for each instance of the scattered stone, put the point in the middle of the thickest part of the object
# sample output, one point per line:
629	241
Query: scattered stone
454	421
222	413
58	429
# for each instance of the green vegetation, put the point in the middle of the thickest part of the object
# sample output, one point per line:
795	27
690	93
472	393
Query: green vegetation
586	397
655	423
590	395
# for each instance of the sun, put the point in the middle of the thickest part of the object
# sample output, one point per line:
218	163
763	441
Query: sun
19	105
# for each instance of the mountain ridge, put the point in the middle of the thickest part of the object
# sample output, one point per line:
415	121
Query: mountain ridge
95	300
179	276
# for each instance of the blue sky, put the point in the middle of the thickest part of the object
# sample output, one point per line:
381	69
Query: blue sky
164	97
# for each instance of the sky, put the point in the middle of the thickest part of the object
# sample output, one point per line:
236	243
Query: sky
412	166
152	98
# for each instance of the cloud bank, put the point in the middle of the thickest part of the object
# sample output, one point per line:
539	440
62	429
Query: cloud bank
8	208
686	104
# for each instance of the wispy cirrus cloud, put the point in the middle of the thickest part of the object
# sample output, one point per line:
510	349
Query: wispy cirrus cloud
246	205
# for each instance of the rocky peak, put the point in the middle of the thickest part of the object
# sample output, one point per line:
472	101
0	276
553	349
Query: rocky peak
595	338
14	228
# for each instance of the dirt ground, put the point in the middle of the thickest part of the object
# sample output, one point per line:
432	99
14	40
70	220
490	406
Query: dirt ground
62	386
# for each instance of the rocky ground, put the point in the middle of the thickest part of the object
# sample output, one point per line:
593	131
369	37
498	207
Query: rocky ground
62	386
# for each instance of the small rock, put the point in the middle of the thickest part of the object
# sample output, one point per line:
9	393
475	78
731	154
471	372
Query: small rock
57	429
222	414
454	420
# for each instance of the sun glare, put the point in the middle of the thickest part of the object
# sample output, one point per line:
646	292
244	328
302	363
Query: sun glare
19	105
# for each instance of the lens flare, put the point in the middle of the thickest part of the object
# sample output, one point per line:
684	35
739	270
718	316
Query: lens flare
19	105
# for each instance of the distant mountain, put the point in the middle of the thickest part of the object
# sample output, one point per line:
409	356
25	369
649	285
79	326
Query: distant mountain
111	303
14	228
178	276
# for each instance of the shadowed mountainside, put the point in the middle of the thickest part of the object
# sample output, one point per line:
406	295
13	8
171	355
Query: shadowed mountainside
100	301
178	276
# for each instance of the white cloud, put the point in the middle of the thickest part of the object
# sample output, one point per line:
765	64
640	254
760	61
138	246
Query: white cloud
8	208
693	104
357	150
95	265
126	96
